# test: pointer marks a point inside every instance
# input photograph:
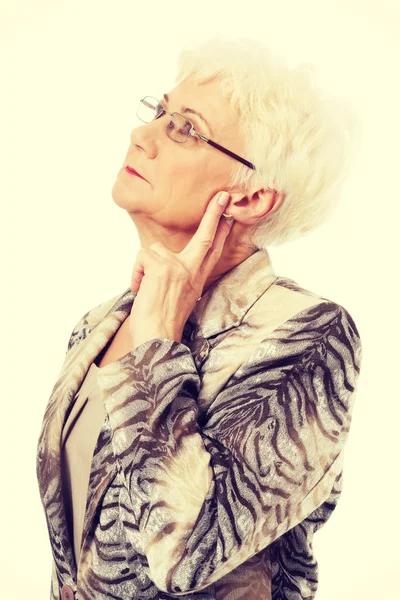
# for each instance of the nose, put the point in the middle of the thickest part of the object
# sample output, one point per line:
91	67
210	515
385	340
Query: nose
148	135
144	137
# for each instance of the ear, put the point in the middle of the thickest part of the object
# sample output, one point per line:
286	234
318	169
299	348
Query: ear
257	204
270	200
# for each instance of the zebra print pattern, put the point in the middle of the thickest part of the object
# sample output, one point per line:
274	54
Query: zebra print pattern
220	456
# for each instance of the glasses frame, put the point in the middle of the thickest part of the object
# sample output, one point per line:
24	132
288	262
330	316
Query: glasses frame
195	133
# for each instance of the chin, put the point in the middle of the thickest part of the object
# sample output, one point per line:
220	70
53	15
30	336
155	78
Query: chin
125	198
123	195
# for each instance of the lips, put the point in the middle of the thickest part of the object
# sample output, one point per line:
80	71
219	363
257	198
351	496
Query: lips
133	172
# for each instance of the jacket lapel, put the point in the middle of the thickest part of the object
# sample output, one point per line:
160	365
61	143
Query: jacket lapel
99	326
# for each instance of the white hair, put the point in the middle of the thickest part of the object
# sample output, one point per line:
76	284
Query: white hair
302	142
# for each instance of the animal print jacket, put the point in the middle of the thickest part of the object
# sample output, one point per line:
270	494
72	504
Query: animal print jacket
219	457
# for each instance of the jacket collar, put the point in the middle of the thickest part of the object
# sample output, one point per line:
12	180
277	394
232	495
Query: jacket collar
221	307
226	302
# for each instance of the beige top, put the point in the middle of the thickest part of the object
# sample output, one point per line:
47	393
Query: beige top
79	437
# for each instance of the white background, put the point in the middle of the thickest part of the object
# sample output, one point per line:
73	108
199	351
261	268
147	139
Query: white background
71	76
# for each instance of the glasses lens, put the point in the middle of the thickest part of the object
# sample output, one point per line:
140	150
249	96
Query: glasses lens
149	108
178	127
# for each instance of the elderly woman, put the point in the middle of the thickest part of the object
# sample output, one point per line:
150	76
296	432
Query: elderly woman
193	442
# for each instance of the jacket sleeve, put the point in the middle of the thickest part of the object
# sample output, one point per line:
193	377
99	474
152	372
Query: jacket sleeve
202	499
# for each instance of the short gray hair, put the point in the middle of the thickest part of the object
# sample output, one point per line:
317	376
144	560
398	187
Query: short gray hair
301	141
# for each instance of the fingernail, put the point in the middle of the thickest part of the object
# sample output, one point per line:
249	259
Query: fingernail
223	198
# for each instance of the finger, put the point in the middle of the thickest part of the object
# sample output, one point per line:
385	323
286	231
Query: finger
214	254
155	252
203	239
137	272
136	280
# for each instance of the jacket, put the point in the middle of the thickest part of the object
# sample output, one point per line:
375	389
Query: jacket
219	457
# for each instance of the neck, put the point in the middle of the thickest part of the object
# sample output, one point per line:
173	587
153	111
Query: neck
225	264
233	252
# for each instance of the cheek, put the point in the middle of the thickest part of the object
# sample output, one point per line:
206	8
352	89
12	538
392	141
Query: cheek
185	204
186	183
182	179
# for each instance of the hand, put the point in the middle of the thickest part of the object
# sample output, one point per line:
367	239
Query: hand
168	285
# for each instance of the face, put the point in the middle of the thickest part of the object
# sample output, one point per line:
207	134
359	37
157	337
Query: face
180	179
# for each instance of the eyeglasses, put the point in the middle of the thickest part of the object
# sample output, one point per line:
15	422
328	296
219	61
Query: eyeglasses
178	128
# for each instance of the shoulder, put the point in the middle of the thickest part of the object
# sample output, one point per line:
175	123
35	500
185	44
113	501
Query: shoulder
320	311
308	310
291	323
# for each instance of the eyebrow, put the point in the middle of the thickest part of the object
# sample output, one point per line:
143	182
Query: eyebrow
184	109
